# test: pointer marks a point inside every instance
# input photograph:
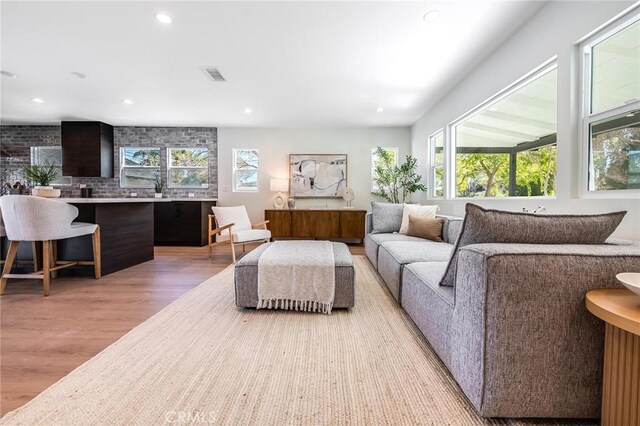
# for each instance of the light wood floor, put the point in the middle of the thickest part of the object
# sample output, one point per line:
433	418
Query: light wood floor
42	339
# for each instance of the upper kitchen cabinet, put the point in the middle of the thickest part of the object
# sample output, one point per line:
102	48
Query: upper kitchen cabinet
87	149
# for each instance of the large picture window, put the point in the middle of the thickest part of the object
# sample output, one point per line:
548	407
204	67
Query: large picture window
507	147
187	168
246	165
611	118
44	155
139	167
436	148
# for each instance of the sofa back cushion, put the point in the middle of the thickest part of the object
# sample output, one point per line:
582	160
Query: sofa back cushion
497	226
386	217
451	229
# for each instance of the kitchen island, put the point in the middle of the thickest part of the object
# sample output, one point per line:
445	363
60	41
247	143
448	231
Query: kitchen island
128	229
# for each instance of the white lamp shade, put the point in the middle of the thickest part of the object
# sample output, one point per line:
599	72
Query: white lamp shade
279	185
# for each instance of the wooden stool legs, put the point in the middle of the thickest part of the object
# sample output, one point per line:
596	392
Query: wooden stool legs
97	264
11	256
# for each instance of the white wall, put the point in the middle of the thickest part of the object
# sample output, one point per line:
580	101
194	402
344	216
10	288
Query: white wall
275	145
554	30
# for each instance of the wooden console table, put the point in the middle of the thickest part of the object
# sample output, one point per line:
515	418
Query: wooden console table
620	309
316	224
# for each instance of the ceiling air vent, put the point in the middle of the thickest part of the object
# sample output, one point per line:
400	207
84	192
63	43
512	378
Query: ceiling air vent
213	73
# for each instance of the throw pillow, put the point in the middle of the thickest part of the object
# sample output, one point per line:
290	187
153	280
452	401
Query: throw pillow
417	211
386	217
425	227
497	226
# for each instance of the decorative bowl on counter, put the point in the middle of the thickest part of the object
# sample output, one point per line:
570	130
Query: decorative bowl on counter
45	191
630	280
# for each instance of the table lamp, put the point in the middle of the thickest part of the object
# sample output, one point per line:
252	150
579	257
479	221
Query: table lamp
279	185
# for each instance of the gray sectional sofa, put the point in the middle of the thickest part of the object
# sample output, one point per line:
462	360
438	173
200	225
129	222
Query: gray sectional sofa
513	330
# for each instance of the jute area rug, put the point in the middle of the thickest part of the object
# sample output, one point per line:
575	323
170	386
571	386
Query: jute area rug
203	361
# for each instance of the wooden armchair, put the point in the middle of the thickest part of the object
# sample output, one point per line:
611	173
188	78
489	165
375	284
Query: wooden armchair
231	225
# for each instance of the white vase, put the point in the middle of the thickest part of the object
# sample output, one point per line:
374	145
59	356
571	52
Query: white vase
45	191
158	194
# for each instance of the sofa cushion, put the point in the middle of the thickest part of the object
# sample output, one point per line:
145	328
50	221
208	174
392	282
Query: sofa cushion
386	217
429	305
418	251
496	226
394	255
416	210
373	241
424	227
451	229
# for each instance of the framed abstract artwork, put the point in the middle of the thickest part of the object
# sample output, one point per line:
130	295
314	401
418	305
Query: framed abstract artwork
317	175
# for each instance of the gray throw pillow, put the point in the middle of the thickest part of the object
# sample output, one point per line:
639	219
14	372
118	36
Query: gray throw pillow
386	217
497	226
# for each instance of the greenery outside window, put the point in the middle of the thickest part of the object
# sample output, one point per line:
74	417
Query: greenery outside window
41	155
139	167
611	118
507	147
436	148
187	168
246	165
375	159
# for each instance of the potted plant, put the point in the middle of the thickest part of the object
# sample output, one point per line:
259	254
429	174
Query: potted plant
159	188
42	176
396	183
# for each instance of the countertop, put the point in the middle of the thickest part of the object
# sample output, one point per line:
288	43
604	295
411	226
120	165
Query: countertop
129	200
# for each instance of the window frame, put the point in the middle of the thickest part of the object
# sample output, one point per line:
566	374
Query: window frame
170	167
395	149
433	165
235	169
450	134
123	166
33	156
586	118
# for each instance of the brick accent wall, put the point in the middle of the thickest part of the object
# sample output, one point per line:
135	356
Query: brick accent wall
15	143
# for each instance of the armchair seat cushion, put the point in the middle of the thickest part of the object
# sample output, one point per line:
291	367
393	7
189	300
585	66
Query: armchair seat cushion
246	235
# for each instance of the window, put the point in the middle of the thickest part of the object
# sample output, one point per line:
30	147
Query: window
139	167
41	155
246	163
375	158
507	147
188	168
611	118
436	147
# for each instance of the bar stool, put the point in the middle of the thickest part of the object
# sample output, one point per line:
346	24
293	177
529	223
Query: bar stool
29	218
35	261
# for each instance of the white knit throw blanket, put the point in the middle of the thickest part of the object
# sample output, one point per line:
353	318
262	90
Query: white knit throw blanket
297	275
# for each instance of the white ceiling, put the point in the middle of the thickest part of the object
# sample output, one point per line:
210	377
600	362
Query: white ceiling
298	64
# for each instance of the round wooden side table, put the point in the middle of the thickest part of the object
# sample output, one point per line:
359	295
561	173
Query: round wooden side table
620	309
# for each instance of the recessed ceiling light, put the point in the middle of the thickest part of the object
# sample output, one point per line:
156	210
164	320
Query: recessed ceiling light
37	100
8	74
127	101
79	75
248	111
379	109
164	18
431	16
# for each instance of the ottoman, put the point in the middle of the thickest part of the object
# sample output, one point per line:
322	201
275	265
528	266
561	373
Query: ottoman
246	277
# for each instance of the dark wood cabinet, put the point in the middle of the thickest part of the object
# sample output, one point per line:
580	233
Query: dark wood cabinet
316	224
87	149
280	223
181	223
